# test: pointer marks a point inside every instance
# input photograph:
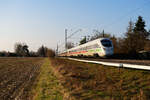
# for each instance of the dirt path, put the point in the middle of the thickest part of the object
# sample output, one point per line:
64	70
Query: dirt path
48	86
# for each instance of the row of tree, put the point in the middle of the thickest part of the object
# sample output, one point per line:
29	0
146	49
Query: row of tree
136	37
22	50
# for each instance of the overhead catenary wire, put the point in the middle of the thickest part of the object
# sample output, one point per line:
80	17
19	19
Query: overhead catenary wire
68	37
74	33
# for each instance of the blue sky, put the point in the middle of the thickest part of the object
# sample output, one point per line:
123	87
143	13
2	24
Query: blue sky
38	22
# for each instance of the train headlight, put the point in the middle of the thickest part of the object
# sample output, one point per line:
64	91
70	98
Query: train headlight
104	48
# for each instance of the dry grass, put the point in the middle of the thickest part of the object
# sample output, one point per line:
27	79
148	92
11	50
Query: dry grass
86	81
48	86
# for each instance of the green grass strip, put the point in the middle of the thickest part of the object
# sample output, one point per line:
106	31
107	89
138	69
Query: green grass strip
48	86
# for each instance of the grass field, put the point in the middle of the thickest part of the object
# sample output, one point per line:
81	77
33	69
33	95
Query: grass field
86	81
61	79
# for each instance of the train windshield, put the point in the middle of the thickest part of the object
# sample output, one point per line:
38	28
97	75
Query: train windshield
106	43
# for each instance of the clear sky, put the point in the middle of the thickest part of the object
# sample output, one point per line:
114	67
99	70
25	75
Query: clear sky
38	22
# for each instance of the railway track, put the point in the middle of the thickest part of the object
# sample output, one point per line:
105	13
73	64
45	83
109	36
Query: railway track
126	61
135	64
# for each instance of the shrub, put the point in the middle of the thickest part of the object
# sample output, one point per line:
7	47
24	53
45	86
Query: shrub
50	53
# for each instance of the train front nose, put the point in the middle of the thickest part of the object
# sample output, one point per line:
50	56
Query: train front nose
107	47
109	51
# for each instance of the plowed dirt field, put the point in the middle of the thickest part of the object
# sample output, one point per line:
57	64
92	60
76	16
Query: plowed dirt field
17	76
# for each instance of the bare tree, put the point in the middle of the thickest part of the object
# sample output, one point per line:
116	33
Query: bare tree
42	51
21	49
98	34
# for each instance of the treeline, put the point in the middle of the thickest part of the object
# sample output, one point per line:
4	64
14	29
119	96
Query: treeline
22	50
136	38
134	41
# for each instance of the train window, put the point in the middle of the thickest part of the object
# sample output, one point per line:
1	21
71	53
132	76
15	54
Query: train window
106	43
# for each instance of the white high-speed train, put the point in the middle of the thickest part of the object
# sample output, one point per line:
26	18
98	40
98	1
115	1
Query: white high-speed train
100	47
